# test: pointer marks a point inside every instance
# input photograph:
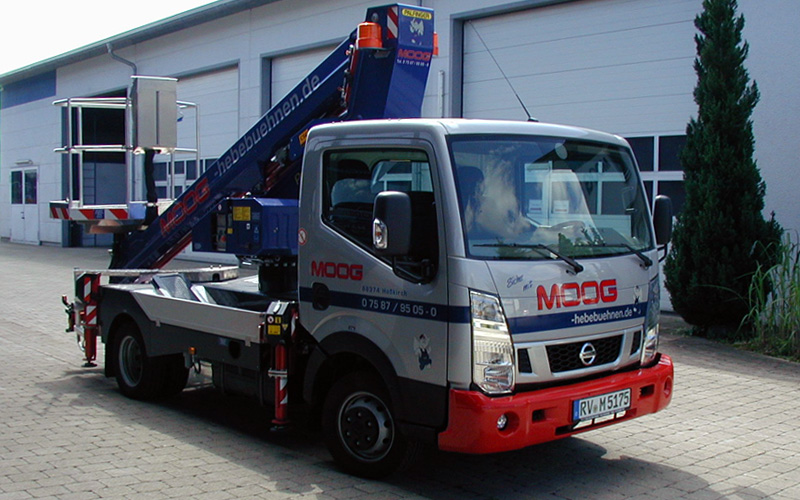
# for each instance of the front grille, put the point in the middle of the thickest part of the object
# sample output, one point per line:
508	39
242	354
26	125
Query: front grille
566	357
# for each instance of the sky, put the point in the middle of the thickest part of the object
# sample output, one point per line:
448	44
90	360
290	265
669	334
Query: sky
35	30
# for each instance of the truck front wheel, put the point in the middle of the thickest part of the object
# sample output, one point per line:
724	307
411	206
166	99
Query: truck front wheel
360	429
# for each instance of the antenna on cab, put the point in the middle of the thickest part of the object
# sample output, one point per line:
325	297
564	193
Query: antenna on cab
524	108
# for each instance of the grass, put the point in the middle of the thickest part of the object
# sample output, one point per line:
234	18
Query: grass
774	300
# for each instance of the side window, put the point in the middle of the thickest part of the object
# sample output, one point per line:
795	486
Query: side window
351	180
347	181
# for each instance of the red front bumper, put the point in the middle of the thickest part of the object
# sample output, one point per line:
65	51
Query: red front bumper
545	415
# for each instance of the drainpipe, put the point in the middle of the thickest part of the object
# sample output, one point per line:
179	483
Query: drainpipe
121	59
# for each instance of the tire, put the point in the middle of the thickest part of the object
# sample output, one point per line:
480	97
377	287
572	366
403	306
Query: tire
360	428
138	376
175	376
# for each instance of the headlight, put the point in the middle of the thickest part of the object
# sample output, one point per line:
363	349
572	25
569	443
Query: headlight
650	347
492	350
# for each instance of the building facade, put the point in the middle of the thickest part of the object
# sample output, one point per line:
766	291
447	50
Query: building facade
622	66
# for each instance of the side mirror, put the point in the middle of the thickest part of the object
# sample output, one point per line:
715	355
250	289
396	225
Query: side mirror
662	219
391	224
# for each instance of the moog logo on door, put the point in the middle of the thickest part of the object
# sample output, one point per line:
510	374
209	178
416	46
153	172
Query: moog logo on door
339	270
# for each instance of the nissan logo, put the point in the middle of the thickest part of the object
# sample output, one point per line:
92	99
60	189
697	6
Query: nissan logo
588	354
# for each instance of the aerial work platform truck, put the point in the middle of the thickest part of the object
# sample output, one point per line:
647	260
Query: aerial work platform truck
480	286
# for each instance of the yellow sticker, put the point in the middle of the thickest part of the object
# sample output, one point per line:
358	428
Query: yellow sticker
303	137
273	329
418	14
241	214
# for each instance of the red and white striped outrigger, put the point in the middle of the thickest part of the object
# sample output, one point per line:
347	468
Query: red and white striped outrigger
104	218
62	210
108	217
83	313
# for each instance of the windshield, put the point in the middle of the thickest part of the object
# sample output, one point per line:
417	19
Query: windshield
525	197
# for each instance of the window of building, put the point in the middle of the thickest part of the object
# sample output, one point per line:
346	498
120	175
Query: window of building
669	150
31	195
659	161
643	149
186	172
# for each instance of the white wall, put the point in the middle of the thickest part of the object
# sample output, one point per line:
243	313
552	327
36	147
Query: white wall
771	29
32	130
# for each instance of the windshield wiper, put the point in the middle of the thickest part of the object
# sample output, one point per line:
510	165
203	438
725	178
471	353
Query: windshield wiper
647	261
576	267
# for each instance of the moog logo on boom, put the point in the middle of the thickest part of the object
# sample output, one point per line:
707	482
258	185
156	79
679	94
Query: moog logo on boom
414	55
575	294
184	206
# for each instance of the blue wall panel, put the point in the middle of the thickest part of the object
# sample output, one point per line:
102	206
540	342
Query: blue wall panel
28	90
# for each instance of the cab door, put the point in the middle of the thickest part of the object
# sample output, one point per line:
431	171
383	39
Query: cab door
397	305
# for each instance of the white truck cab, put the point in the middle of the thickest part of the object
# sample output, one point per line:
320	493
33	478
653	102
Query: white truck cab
503	273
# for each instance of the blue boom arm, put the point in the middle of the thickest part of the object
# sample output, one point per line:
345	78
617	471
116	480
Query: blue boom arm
362	78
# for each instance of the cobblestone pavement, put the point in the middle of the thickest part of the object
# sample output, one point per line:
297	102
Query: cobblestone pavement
66	432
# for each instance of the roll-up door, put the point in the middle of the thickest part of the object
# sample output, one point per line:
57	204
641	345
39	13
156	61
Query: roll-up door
289	70
217	95
623	66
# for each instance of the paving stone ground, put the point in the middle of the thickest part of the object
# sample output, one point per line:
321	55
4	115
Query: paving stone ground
66	432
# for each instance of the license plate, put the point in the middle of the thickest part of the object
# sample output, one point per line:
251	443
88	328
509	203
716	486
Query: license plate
599	406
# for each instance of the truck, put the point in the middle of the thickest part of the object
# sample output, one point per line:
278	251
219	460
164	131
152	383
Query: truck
475	285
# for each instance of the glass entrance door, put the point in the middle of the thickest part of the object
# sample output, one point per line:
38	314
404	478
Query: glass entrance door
25	206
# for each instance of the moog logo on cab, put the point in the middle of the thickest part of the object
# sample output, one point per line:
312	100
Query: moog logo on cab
575	294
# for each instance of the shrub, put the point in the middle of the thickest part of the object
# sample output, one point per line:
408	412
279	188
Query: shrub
709	267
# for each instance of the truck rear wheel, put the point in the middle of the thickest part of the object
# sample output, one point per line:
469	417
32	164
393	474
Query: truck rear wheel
138	376
360	429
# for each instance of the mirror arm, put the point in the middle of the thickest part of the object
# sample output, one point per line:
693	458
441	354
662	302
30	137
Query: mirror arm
665	248
403	270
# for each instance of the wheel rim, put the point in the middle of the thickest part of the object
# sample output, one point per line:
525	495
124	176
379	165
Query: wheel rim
366	427
130	361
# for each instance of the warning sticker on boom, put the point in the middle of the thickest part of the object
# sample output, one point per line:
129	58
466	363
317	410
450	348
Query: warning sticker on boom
241	214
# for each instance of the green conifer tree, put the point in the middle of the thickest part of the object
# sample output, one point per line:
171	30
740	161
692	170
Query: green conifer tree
721	233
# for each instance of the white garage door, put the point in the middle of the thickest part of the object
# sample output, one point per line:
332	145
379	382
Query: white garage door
289	70
217	95
623	66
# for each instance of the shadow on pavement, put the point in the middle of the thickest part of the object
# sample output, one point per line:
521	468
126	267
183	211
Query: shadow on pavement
237	430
